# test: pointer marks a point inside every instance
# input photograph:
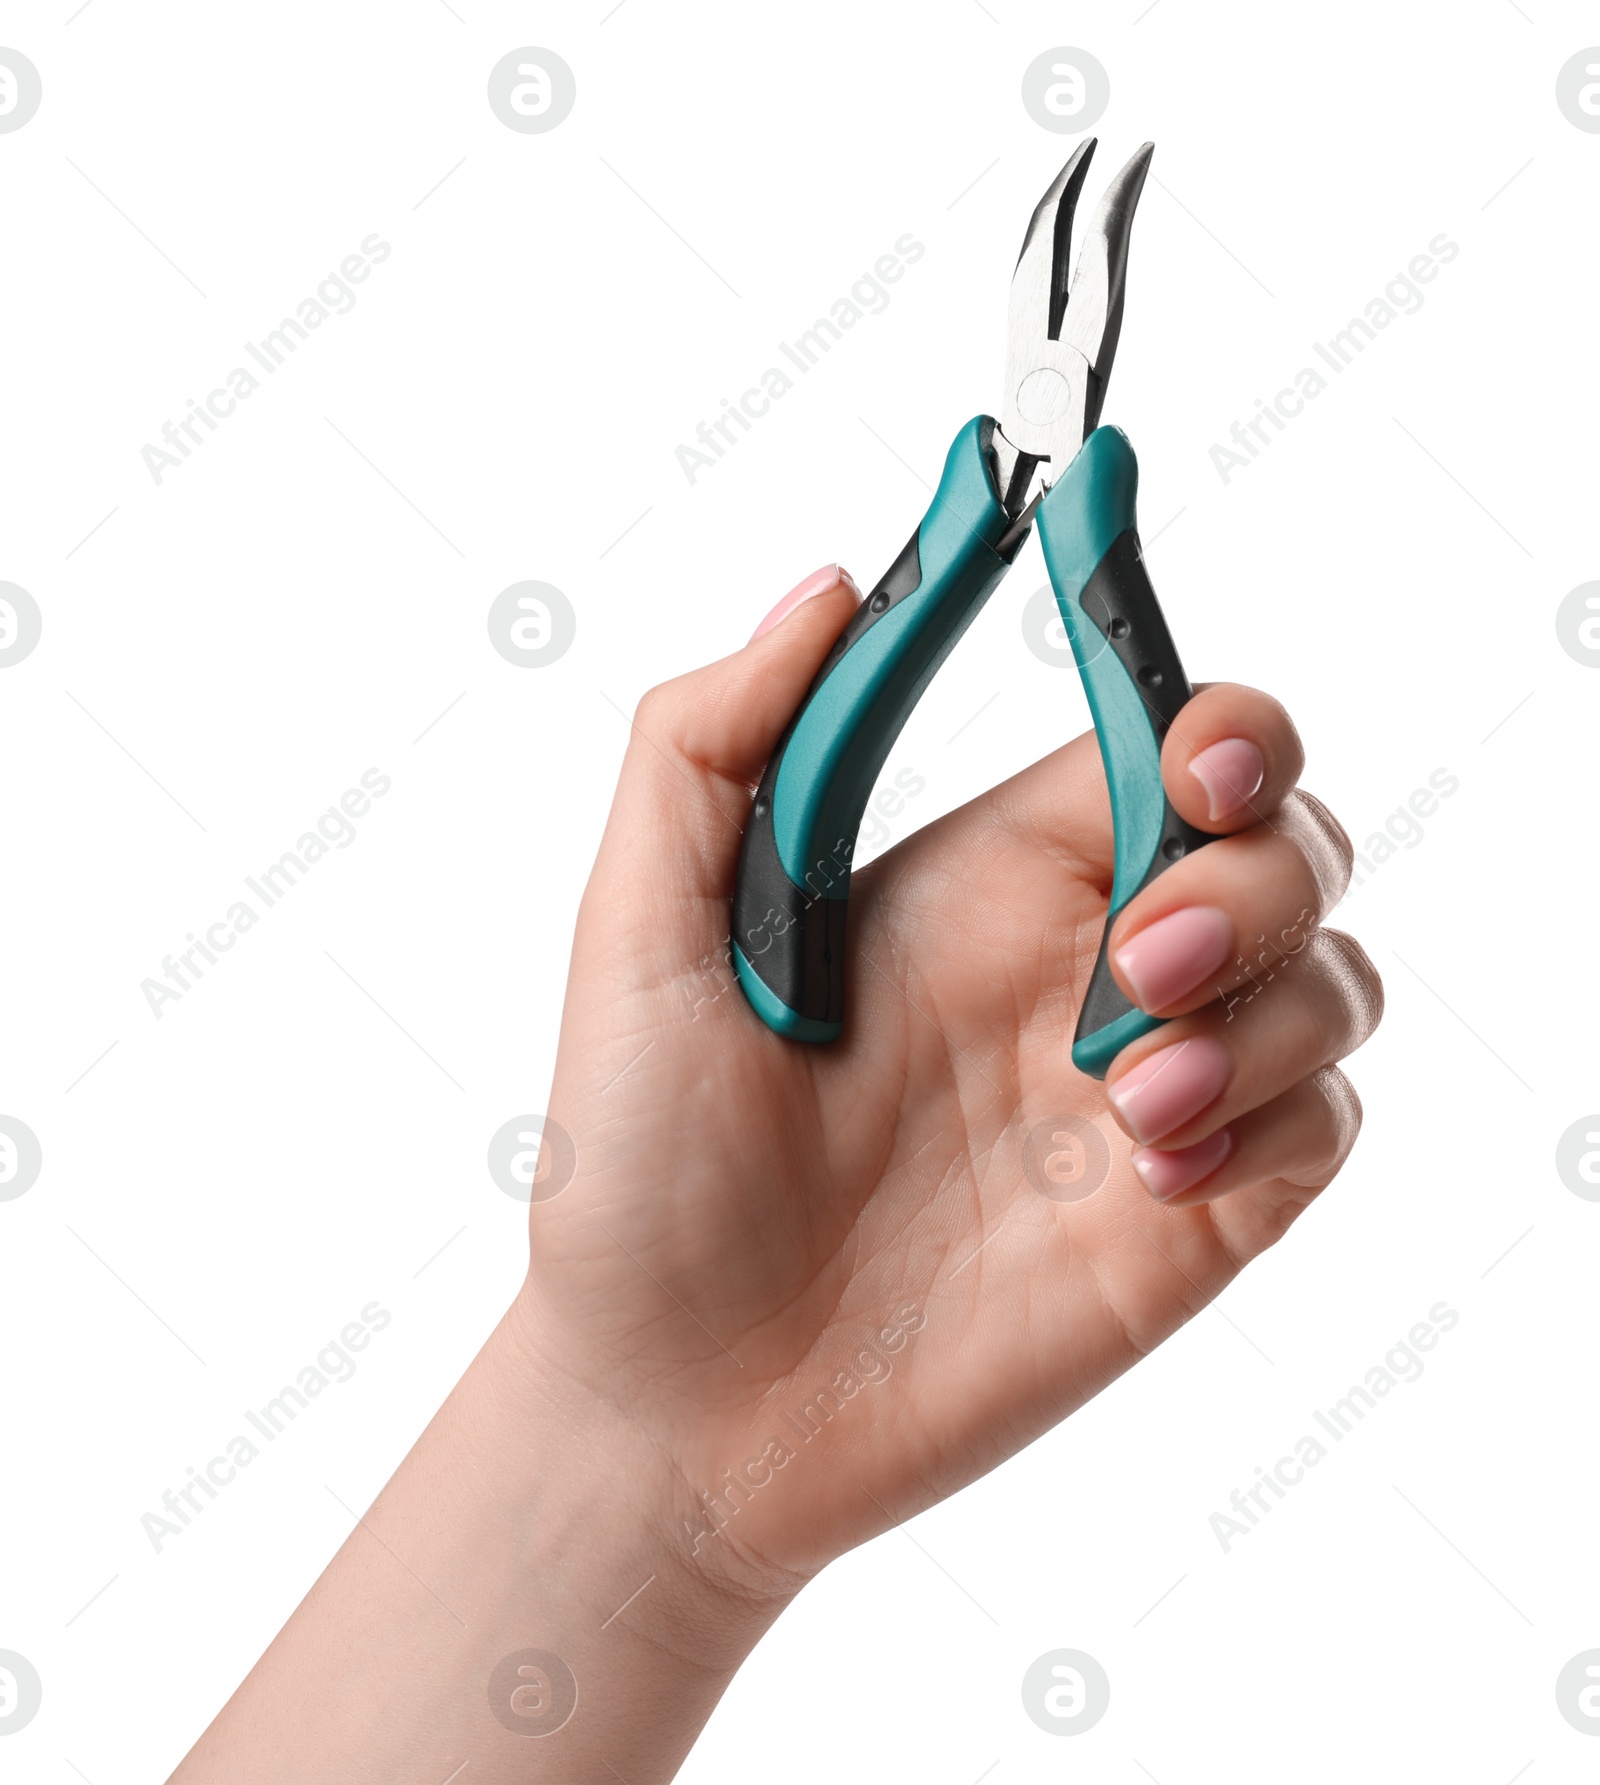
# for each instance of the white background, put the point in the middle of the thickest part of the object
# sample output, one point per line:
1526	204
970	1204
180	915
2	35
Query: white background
229	651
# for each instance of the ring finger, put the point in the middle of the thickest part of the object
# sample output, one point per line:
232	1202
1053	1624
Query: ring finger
1300	1138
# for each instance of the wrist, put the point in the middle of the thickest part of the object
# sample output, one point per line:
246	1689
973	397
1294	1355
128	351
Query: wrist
620	1523
515	1598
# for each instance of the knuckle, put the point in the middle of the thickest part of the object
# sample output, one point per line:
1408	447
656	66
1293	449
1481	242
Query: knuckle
1349	969
646	709
668	714
1291	751
656	707
1340	1116
1325	843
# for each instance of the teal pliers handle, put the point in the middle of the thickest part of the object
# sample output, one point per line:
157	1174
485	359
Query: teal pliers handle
1136	686
790	902
788	936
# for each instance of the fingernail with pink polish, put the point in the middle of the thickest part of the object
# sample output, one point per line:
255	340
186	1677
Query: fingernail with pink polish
1166	1175
816	584
1171	1087
1231	772
1169	958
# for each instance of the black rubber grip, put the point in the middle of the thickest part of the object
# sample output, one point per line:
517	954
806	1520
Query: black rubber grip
1121	604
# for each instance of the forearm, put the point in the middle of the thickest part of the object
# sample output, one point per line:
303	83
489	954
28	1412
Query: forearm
526	1518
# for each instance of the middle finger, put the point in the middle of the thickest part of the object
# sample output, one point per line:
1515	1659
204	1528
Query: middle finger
1232	912
1200	1072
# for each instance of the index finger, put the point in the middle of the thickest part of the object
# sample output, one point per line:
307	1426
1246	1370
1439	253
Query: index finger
1230	758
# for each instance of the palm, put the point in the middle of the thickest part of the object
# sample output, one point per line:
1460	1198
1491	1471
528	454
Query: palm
826	1189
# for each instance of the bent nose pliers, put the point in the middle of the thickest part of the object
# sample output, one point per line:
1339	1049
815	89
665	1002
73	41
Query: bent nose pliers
1045	462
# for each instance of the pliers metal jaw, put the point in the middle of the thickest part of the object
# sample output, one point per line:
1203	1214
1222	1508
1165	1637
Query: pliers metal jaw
1045	463
1061	338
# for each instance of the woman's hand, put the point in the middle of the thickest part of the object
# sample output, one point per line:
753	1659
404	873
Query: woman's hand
781	1297
757	1227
